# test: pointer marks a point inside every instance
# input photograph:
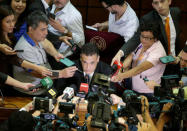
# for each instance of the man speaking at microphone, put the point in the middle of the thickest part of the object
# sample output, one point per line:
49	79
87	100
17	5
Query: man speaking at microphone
87	65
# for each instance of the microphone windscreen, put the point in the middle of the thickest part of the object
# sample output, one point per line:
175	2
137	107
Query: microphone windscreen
84	87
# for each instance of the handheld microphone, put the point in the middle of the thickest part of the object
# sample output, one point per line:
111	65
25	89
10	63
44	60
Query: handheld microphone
84	87
116	67
68	93
45	82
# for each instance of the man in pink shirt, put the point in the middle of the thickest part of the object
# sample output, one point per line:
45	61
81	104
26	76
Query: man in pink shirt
145	61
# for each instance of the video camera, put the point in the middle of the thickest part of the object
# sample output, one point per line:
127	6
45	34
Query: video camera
132	107
65	122
167	83
101	114
44	104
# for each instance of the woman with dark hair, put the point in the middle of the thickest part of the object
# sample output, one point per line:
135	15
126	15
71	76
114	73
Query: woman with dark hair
7	54
145	61
19	8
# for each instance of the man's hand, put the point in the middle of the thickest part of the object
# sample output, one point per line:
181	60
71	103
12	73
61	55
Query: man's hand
151	84
26	86
29	106
177	60
99	26
116	99
59	99
165	109
145	104
57	25
67	72
6	49
143	126
65	39
117	57
58	56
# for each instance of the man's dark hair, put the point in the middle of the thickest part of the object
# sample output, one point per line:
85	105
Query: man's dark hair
35	18
151	27
113	2
89	49
21	121
185	49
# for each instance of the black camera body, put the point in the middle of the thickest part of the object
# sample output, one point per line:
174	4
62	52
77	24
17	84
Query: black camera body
67	108
100	114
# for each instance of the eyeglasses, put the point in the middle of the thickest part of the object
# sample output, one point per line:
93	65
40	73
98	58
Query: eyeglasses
146	38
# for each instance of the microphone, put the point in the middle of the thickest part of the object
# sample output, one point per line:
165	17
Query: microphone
68	93
43	83
116	67
46	83
84	87
83	90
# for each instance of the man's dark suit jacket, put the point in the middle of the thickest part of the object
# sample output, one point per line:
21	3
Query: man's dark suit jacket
78	77
36	5
154	17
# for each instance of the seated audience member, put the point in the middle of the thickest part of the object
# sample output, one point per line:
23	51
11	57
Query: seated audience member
122	18
89	63
7	54
5	79
35	46
145	61
68	21
170	40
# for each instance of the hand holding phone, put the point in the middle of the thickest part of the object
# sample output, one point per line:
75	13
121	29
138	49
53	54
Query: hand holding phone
167	59
67	62
19	50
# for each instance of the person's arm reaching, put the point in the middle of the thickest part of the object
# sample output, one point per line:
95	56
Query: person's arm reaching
39	69
13	82
50	49
164	117
132	72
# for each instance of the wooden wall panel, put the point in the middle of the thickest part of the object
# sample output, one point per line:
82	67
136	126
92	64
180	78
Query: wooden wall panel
97	15
79	2
134	4
180	3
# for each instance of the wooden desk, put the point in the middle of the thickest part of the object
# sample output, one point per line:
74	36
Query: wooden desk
12	104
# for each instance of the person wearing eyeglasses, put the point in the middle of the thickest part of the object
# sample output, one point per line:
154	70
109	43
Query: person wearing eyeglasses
168	20
145	61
